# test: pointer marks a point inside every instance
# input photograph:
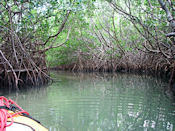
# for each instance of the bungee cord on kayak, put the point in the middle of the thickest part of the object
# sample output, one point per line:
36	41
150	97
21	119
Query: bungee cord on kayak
5	106
13	117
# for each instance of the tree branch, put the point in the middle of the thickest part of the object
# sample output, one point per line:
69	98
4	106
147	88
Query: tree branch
164	7
170	34
16	78
51	46
60	29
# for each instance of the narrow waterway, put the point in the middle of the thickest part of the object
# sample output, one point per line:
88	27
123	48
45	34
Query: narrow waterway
100	102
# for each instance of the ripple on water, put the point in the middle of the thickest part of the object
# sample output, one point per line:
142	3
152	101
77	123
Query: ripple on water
106	102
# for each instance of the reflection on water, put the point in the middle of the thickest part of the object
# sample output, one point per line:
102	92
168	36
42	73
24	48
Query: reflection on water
100	102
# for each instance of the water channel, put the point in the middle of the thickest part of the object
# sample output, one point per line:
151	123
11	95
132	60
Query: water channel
100	102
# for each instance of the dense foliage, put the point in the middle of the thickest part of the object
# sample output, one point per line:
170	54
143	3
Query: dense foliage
28	30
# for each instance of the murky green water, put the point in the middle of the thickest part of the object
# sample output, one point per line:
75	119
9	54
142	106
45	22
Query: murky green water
100	102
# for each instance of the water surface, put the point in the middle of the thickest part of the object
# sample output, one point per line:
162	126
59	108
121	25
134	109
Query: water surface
100	102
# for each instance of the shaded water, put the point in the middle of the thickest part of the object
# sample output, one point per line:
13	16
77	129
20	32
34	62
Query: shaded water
100	102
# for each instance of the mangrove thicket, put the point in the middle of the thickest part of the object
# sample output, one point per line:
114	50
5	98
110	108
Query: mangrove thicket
85	35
